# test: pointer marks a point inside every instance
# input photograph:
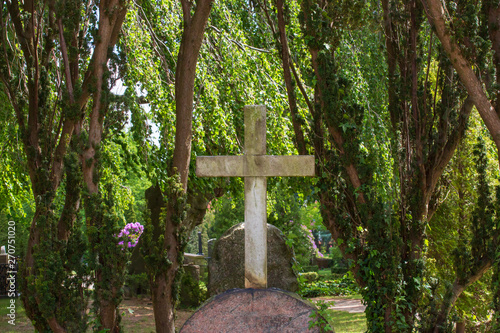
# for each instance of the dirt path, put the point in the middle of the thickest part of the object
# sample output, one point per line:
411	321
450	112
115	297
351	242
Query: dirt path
137	315
342	304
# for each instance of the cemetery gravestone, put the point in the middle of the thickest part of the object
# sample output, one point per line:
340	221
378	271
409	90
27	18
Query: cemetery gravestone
226	266
254	310
255	166
4	257
210	246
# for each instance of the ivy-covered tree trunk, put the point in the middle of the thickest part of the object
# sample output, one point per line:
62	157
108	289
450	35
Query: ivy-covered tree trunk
50	69
100	217
468	77
470	36
164	256
382	236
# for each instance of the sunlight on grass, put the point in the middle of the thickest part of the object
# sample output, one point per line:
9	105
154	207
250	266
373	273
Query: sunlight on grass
345	322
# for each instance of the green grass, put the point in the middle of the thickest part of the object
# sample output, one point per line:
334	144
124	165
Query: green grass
326	274
22	323
345	322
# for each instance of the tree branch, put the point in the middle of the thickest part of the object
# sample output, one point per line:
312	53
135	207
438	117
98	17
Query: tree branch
186	12
285	56
447	151
301	87
457	289
435	14
64	51
192	38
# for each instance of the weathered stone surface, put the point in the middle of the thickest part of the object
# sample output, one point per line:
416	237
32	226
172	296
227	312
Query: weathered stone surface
226	267
197	259
252	310
210	247
255	233
255	166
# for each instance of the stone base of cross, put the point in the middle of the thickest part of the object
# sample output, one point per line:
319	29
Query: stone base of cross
255	166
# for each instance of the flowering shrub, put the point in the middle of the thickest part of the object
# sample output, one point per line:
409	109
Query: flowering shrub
130	235
311	240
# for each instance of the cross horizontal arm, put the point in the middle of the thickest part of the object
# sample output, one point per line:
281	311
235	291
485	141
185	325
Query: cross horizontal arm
219	166
255	166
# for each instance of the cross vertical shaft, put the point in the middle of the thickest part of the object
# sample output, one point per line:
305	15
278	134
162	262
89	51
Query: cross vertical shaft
255	166
255	202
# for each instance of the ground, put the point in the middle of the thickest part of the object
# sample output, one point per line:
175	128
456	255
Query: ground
342	304
137	316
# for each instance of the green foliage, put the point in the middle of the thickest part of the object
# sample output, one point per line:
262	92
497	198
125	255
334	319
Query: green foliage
224	213
309	276
465	183
16	197
15	192
60	268
341	287
138	283
318	20
495	286
193	292
318	318
292	212
106	256
120	164
22	225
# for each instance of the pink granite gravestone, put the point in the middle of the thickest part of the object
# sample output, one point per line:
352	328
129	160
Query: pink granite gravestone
254	311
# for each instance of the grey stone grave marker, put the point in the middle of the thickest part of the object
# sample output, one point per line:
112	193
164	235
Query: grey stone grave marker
255	166
254	309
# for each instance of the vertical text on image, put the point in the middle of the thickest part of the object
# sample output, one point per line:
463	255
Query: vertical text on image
11	272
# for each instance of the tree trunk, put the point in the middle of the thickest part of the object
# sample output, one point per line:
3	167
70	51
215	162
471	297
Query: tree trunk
460	327
192	37
435	14
106	285
292	101
456	290
163	278
163	306
162	274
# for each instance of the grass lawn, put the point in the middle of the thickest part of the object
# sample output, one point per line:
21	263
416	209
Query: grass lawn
140	318
345	322
22	323
137	317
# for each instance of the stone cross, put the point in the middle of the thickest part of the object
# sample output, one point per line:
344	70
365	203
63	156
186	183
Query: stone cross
255	166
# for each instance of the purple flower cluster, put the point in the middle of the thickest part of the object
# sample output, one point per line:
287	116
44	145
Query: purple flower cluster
130	234
311	240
